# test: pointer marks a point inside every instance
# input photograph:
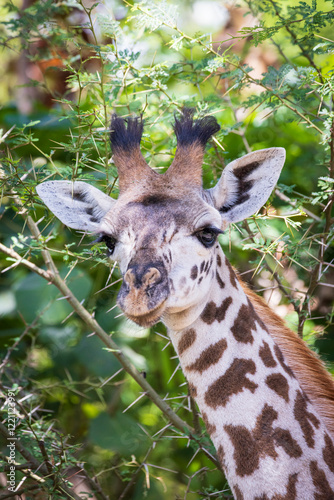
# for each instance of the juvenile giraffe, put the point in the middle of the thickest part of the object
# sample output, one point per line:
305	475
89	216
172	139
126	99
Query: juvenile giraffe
266	400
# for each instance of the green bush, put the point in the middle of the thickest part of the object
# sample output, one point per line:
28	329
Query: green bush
87	416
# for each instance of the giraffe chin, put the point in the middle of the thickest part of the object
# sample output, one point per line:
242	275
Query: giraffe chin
150	318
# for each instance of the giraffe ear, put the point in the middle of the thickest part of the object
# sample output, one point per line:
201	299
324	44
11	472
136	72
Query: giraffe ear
76	204
246	183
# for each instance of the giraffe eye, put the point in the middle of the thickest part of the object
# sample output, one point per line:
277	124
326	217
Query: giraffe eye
208	236
108	240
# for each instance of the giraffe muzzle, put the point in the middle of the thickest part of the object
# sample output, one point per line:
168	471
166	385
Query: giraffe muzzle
143	293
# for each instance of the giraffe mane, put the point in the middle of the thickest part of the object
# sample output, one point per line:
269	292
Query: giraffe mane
308	368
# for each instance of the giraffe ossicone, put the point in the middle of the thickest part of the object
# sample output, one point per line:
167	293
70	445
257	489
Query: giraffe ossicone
266	400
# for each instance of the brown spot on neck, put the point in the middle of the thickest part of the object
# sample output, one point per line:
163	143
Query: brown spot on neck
279	384
232	382
212	313
305	419
267	356
280	358
211	428
221	283
243	324
328	452
233	277
323	490
246	454
187	339
284	439
237	493
209	356
250	446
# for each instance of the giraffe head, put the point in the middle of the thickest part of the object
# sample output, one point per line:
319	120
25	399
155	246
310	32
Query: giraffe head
163	228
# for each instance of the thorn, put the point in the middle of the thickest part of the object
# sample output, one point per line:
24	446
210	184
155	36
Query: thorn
163	468
108	286
112	376
194	455
165	346
176	369
134	402
111	272
67	317
162	430
161	335
113	307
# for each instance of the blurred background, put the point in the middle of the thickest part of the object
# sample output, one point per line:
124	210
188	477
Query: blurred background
265	71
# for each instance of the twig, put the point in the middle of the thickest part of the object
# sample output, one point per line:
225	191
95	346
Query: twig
37	466
285	198
95	485
136	473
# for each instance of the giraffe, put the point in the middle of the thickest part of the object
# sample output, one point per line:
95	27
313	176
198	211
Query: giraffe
266	400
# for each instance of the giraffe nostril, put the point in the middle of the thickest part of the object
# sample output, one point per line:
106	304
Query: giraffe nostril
134	279
152	276
129	277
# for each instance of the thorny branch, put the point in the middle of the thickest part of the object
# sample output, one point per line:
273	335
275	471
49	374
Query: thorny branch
36	466
317	270
135	475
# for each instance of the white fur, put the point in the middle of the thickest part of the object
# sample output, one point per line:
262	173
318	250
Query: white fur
58	197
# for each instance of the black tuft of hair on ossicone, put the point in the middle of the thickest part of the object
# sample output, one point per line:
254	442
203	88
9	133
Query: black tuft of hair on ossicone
125	133
188	130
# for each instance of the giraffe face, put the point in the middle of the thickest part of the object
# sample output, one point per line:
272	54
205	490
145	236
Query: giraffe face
163	228
165	249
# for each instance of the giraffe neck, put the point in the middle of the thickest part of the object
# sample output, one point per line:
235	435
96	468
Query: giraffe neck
270	440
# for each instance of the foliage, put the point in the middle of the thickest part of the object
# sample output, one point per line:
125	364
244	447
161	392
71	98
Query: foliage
79	371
